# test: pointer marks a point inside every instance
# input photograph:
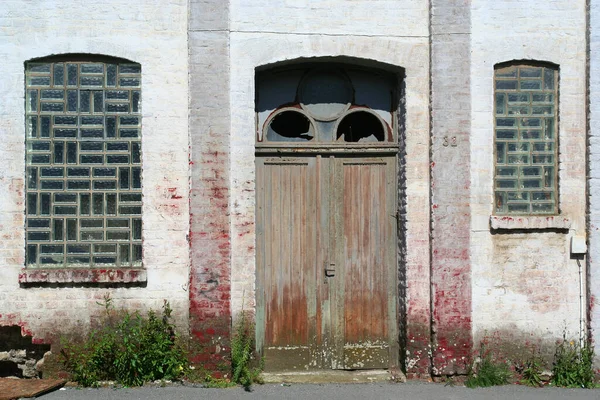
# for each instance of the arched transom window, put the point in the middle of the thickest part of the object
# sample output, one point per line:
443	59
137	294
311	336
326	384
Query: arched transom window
325	105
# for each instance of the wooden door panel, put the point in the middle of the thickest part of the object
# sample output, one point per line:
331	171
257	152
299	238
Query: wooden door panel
365	250
287	222
316	213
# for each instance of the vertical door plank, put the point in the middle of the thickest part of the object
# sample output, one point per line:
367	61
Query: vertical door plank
285	256
366	252
275	267
260	257
377	230
308	254
338	282
391	261
325	342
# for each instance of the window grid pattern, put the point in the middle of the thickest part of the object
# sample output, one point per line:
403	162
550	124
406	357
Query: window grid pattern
526	155
83	140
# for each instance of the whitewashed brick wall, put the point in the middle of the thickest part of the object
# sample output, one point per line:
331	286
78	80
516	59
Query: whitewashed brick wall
525	285
154	34
594	175
266	32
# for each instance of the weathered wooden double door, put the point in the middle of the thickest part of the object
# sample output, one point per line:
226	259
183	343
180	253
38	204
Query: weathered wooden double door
326	262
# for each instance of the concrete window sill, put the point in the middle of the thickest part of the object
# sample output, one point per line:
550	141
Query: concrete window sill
530	222
66	275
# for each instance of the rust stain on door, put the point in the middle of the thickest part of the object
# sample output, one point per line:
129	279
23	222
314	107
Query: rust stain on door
326	262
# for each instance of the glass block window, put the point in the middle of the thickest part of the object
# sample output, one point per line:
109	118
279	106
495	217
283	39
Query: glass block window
83	160
526	159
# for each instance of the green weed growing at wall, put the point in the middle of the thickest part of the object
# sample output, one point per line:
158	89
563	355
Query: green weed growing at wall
572	365
242	353
488	372
129	348
531	374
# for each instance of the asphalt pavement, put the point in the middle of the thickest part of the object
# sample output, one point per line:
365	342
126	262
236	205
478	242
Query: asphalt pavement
395	391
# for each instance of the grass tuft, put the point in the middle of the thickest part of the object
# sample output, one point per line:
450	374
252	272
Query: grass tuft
488	372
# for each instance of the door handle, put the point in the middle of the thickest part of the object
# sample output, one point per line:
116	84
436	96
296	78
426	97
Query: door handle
330	271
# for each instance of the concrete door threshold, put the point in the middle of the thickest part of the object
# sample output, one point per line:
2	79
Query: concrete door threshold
334	376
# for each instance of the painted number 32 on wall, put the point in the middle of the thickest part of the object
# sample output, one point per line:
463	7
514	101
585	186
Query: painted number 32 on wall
450	141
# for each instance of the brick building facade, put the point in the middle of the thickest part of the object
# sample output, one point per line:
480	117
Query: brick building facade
490	157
